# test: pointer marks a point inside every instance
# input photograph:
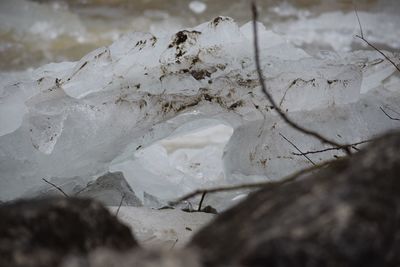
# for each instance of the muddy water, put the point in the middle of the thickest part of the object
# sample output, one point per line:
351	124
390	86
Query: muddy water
33	33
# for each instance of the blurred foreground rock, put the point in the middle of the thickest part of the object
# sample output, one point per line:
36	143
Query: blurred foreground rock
137	258
345	215
41	232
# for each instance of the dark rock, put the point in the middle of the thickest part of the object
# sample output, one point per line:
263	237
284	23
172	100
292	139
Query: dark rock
109	189
347	214
206	209
209	209
41	232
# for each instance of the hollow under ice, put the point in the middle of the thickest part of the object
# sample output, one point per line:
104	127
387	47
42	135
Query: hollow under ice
108	111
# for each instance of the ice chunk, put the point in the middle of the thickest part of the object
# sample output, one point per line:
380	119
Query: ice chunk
187	160
12	110
111	189
264	150
82	119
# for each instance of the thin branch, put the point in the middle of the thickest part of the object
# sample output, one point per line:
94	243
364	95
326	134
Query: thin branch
387	115
358	19
379	51
285	180
80	191
272	101
394	111
201	201
56	187
173	245
361	36
120	204
298	149
332	148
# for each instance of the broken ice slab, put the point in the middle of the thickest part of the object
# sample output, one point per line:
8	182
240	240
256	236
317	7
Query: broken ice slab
111	189
190	158
265	151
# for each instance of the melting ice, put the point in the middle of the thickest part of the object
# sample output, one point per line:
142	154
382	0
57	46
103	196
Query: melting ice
129	107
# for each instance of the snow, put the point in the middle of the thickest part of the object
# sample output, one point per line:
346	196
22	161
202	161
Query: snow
130	107
162	228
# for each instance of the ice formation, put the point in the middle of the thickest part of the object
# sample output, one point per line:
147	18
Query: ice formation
103	113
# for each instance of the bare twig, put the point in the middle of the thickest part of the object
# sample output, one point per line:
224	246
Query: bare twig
285	180
120	204
272	101
173	245
201	201
332	148
298	149
80	191
58	188
361	36
358	19
379	51
387	115
394	111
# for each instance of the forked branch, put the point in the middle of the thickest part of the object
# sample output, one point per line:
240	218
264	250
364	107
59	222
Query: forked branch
271	99
387	115
361	36
332	148
228	188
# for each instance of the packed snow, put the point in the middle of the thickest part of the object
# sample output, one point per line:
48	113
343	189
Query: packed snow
165	228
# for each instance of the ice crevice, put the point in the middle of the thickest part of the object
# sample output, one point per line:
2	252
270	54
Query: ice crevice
107	111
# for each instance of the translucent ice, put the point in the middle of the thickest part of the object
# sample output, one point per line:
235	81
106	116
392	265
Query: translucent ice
80	119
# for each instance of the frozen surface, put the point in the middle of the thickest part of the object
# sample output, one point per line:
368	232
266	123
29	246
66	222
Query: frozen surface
166	229
107	111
